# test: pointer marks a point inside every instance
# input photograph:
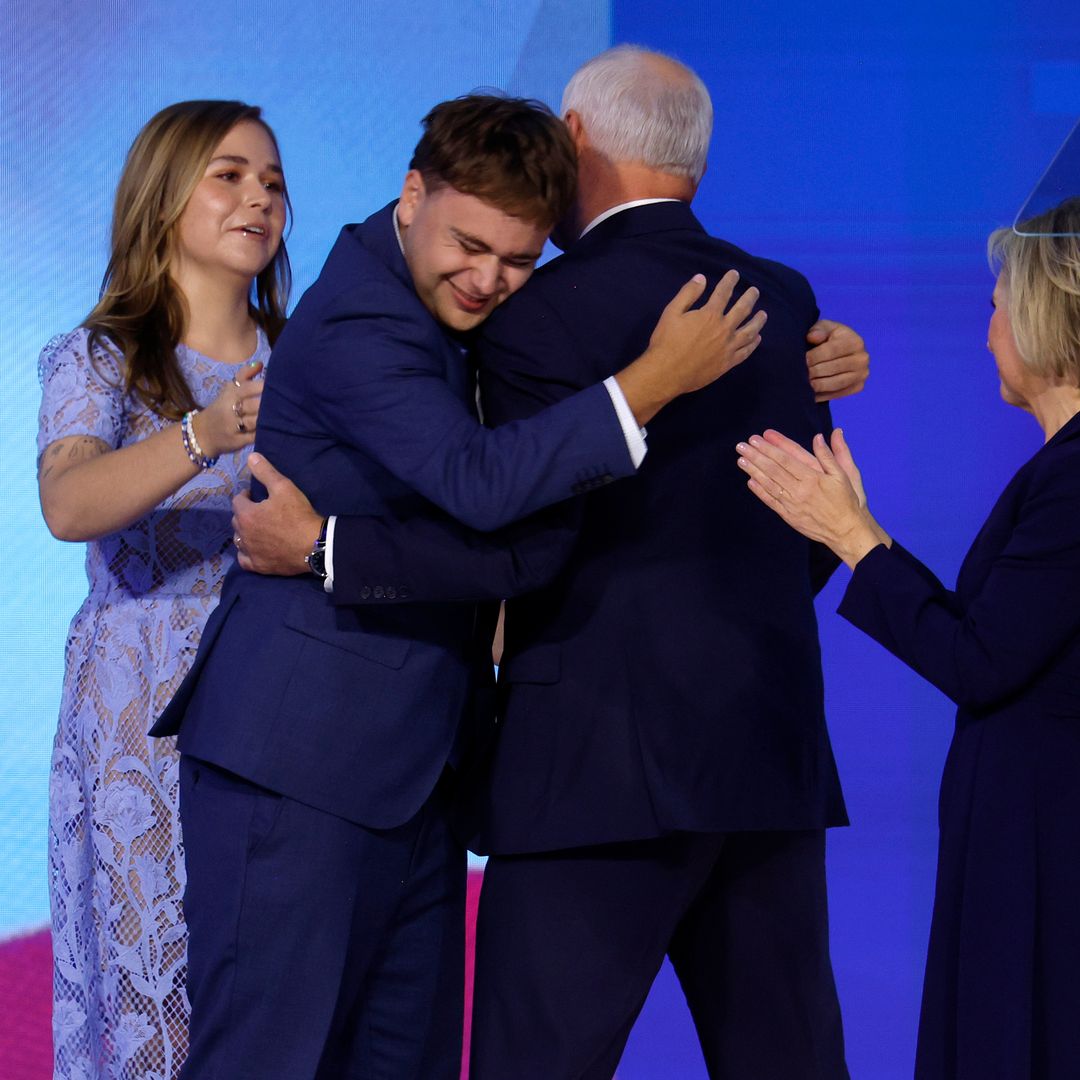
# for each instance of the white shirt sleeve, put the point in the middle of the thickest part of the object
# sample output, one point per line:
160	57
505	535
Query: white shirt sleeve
635	436
328	555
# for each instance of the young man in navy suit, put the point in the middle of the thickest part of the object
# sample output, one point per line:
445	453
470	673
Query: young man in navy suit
662	776
325	891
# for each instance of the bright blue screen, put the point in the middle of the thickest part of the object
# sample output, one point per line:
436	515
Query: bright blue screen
872	146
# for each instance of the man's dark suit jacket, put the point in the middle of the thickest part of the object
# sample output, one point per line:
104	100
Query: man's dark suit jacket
370	406
669	677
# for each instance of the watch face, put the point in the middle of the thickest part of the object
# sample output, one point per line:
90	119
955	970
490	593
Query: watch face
317	562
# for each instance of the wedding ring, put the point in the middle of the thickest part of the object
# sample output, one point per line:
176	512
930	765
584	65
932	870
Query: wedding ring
238	409
236	382
236	540
241	426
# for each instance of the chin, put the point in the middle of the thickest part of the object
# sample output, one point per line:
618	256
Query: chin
459	320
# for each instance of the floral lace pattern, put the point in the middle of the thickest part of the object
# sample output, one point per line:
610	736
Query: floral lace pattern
115	851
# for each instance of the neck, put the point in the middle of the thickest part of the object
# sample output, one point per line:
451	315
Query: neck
603	183
1054	407
219	322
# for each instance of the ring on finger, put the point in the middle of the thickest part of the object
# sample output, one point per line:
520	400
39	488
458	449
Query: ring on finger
236	382
238	409
241	426
236	540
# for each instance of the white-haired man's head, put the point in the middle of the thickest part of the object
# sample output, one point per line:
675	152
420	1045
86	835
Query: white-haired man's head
643	107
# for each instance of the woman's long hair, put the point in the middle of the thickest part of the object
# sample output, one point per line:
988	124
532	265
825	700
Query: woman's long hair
140	310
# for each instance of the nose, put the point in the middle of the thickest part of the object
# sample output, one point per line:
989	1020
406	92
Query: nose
257	195
487	270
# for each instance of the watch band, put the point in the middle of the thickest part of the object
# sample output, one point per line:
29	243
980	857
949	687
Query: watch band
316	557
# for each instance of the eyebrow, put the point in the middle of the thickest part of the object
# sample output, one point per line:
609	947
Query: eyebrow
236	159
477	242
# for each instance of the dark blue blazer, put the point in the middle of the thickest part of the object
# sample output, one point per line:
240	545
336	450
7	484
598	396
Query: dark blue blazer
669	676
370	407
1001	995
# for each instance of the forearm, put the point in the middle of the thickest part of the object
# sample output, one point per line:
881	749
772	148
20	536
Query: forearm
435	559
88	491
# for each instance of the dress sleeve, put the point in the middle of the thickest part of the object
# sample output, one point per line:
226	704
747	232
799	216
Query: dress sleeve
80	394
1019	622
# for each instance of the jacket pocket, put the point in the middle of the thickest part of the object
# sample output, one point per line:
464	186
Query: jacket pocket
339	628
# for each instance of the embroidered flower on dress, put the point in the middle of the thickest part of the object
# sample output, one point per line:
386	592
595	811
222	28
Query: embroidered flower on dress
153	878
67	1018
131	1032
65	798
125	810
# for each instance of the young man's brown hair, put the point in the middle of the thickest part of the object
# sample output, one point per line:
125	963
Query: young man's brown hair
513	153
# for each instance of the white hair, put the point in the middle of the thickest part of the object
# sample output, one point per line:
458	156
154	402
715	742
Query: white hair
645	107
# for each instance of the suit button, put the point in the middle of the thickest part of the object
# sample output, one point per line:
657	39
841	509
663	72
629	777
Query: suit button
391	592
403	592
365	593
379	592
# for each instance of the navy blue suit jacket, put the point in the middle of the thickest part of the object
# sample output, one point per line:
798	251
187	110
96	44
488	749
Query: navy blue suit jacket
669	676
369	405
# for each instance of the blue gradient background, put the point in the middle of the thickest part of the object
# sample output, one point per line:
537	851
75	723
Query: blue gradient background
871	146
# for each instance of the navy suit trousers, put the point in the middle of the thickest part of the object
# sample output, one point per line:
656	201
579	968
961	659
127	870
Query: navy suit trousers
320	949
569	942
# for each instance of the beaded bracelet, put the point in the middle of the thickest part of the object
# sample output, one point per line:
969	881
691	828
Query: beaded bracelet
191	443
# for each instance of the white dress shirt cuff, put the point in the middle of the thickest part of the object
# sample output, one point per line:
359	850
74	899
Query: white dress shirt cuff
634	435
328	581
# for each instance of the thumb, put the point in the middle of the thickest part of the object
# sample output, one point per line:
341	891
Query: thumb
247	372
264	472
842	451
820	331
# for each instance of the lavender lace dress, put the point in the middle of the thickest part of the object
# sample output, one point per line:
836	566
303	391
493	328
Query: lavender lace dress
115	852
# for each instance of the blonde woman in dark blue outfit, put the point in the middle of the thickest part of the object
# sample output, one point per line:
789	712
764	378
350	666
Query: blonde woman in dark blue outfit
1002	992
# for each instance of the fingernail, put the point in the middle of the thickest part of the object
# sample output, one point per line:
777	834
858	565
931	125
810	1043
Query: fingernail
699	278
740	447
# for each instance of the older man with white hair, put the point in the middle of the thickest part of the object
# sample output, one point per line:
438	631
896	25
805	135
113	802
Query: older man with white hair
662	776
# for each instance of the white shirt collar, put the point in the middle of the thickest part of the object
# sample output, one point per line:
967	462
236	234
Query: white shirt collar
612	211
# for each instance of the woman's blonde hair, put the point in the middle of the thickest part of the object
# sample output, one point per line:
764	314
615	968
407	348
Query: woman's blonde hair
141	311
1042	273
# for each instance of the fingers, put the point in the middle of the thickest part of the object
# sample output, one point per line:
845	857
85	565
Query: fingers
718	301
832	339
795	465
686	297
790	446
740	311
771	467
748	337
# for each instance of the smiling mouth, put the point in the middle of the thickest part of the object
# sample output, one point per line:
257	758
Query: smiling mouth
253	230
468	302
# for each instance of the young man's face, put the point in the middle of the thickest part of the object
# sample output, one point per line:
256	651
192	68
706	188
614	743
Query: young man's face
465	255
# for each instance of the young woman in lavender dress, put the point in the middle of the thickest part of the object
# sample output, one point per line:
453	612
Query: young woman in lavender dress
147	412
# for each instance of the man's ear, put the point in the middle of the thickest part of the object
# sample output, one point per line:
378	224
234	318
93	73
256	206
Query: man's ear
572	119
413	191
